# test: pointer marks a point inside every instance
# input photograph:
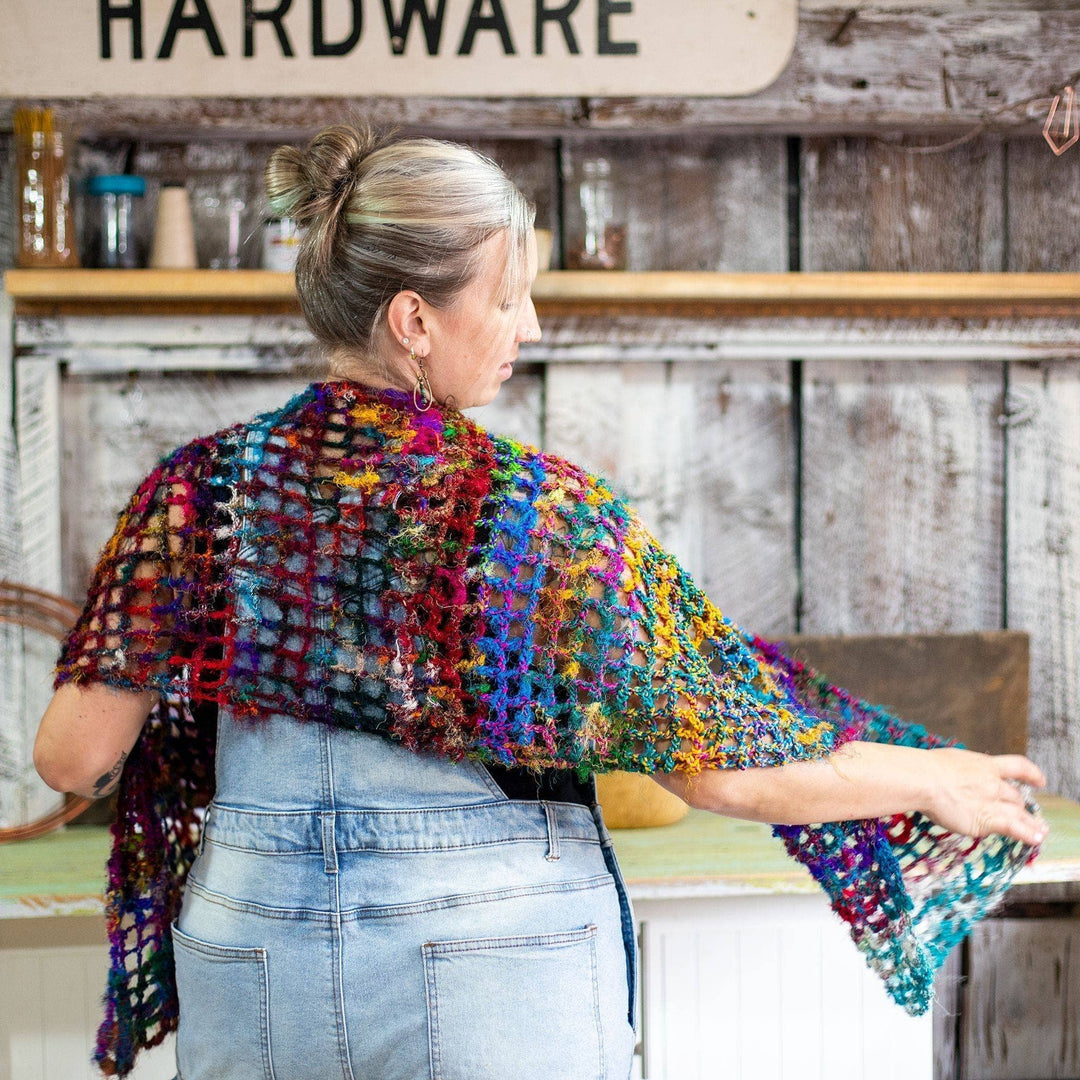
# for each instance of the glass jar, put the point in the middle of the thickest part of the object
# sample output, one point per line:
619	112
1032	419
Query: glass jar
595	222
115	195
281	244
218	209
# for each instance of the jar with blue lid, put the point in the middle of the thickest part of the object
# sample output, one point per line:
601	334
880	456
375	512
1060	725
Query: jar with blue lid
116	246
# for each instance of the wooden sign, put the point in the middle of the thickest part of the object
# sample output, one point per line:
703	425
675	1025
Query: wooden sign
458	48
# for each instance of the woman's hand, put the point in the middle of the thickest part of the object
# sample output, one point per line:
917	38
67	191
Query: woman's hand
977	794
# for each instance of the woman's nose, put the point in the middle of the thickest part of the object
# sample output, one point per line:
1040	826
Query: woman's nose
529	330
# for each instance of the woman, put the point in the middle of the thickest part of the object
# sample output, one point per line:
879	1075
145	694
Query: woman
393	650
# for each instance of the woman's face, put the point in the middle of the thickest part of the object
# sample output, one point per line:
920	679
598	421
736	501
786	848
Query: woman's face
474	343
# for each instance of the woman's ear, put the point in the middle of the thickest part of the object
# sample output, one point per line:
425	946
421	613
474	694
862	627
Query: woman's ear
406	318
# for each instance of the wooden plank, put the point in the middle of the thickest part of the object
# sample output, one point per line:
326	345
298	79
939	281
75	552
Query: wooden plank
14	756
971	687
1043	194
122	343
1043	412
902	497
886	67
720	971
27	659
37	388
31	656
680	201
1043	570
583	415
1022	1008
12	735
948	988
116	428
826	292
868	205
7	200
75	333
10	533
50	1004
102	285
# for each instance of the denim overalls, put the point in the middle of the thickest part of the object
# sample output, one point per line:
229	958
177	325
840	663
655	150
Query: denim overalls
364	912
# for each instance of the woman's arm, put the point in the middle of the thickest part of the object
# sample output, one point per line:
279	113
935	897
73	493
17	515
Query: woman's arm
86	735
960	790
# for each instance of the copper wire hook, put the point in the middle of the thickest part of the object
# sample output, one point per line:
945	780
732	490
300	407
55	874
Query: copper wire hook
1067	130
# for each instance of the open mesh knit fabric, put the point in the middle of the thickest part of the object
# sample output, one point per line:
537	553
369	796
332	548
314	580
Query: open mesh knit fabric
347	560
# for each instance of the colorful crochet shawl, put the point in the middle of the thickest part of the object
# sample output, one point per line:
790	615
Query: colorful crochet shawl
349	561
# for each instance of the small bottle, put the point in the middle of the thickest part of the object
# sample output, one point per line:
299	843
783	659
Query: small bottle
46	230
116	240
281	244
174	234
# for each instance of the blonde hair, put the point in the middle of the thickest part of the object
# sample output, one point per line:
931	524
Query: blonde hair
382	215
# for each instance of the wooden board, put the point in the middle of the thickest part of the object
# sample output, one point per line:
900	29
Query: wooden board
1043	197
869	205
694	203
10	531
1043	571
902	497
1021	1015
971	687
7	201
703	452
28	658
37	417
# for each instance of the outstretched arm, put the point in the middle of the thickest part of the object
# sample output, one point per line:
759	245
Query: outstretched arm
963	791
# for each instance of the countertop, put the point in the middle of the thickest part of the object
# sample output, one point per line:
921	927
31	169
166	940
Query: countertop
700	856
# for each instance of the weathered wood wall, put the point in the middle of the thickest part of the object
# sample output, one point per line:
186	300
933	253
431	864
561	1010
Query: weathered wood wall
841	493
825	477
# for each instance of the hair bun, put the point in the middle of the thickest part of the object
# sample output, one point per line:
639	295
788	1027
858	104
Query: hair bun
318	181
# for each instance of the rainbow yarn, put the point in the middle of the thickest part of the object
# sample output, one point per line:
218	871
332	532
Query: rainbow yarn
349	561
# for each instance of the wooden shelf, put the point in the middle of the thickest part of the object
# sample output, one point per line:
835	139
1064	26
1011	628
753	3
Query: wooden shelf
582	293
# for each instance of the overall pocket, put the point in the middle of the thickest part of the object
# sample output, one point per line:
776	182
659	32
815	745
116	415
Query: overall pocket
515	1008
224	1005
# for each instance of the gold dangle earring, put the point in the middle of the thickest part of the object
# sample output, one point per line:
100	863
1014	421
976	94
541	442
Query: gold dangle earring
422	396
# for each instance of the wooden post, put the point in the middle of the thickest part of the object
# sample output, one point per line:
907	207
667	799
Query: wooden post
1043	430
28	656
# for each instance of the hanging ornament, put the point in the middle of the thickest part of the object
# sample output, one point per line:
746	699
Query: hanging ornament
1061	129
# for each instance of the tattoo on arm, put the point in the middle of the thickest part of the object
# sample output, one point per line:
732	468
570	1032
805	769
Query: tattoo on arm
106	783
